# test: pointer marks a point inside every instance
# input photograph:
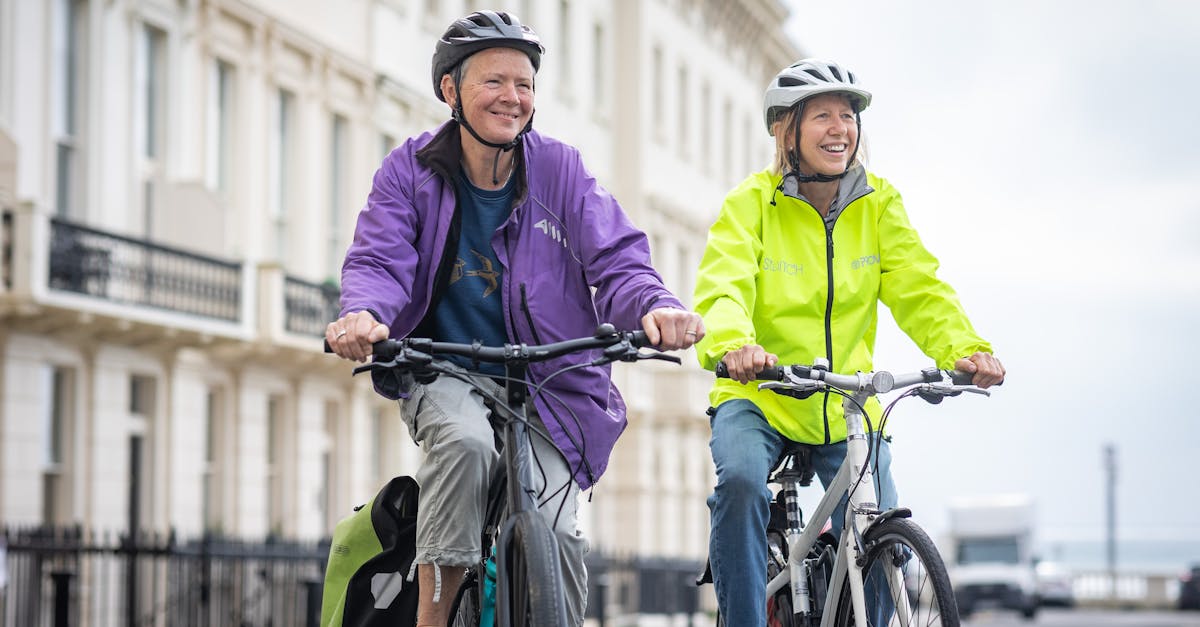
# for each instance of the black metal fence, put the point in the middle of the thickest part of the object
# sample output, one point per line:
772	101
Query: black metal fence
62	577
136	272
309	307
6	249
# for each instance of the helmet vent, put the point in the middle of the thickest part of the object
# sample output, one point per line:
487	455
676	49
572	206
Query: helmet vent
815	74
790	81
836	73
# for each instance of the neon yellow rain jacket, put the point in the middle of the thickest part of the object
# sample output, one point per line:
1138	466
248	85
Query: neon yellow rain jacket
803	286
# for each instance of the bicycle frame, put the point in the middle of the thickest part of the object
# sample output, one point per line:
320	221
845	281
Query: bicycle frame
517	453
861	512
517	523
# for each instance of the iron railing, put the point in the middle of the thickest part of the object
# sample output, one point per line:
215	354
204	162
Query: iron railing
88	261
62	576
6	250
309	307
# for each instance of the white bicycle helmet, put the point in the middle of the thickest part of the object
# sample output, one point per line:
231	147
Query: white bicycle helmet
807	78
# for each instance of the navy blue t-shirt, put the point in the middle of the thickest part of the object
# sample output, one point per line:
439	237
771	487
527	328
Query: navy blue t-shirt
471	308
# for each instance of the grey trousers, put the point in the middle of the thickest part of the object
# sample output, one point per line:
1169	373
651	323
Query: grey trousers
448	419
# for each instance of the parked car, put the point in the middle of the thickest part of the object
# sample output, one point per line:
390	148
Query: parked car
1055	586
1189	589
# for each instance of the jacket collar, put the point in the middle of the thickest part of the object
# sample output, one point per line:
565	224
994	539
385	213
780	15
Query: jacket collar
443	155
850	188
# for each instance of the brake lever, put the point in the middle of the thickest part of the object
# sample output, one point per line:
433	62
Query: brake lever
933	393
658	355
799	389
406	359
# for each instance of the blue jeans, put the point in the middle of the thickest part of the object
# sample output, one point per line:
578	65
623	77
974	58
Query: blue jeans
744	447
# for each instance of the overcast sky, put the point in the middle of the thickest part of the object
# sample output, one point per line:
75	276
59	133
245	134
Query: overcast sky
1049	154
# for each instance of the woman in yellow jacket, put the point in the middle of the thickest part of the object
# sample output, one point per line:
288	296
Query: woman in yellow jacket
794	268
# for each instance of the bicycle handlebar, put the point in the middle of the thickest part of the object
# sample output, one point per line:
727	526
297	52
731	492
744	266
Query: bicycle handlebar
417	352
877	382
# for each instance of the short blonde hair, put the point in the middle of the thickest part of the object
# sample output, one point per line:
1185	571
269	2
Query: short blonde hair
782	129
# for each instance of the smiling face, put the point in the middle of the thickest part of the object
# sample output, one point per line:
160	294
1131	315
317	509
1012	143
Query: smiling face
828	134
497	92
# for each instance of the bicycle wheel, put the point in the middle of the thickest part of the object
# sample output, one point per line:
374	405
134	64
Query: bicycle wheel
530	587
903	572
779	606
465	610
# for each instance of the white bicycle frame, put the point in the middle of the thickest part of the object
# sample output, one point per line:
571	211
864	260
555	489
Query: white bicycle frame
857	478
861	510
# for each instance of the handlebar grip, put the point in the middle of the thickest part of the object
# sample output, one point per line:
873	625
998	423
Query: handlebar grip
328	348
958	377
638	339
770	373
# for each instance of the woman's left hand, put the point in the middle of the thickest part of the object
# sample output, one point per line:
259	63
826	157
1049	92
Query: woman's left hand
987	369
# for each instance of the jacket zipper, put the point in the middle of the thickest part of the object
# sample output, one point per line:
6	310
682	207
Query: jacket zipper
529	316
828	317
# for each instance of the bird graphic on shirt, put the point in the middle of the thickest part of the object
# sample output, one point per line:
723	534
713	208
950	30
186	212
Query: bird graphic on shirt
486	273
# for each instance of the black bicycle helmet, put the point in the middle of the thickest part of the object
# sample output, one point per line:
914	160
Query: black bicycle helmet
479	31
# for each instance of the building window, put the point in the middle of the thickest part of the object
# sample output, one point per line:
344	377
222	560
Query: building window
69	43
276	431
682	96
142	471
152	89
656	80
219	137
705	128
214	425
327	497
151	126
751	162
58	388
338	150
282	166
599	63
563	47
387	142
727	138
375	452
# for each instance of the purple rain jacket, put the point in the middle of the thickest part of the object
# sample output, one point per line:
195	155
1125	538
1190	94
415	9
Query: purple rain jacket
566	235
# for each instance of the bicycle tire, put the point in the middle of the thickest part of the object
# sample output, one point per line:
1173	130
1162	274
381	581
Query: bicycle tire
900	543
465	610
530	587
779	606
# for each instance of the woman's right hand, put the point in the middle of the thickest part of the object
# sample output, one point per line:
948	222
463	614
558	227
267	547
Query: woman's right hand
352	335
746	362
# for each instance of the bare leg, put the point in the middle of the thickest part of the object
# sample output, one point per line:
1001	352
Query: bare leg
430	614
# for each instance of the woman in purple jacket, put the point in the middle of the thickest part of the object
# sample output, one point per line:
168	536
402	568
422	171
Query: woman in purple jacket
498	234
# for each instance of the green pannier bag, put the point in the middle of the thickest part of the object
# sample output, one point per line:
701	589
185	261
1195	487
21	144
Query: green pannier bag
370	559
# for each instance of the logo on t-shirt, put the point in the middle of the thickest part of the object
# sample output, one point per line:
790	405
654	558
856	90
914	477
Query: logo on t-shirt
486	272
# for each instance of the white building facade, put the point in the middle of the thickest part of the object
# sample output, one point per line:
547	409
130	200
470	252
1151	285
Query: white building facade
180	178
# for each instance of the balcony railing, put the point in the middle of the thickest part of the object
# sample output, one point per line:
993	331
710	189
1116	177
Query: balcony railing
88	261
309	307
6	250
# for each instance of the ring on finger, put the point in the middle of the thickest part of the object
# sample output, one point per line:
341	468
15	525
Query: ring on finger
340	333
